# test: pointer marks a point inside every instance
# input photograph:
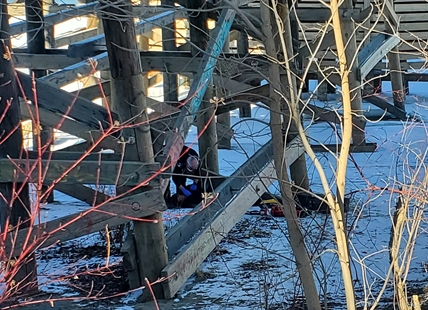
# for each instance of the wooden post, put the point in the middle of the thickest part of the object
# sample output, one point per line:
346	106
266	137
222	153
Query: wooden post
298	169
170	85
242	47
130	102
322	88
207	130
36	45
198	27
397	85
406	86
348	30
15	205
224	119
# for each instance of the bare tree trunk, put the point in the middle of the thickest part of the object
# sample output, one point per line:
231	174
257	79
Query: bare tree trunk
288	208
337	210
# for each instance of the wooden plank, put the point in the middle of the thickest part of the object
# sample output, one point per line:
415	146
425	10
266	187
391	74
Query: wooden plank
86	171
386	106
75	36
171	62
91	46
378	49
82	193
73	156
93	92
43	61
335	148
326	40
175	139
228	64
187	227
83	68
73	127
195	252
389	11
65	103
55	18
83	223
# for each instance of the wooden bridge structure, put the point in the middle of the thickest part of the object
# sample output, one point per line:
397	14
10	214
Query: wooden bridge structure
175	39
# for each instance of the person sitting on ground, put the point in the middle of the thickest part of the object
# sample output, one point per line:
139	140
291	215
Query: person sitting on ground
187	167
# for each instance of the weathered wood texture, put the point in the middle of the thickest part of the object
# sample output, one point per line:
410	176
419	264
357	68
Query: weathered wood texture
55	18
65	103
36	45
387	107
96	218
57	120
91	46
335	148
220	223
170	82
129	100
90	172
15	205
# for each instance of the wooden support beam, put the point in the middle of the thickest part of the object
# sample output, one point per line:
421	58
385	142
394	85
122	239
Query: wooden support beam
176	138
170	80
82	193
83	223
83	110
171	62
75	36
15	204
78	70
335	148
386	106
86	171
242	47
55	18
73	156
36	45
43	61
389	11
399	95
205	121
223	120
129	100
91	46
228	64
95	91
327	40
374	52
73	127
218	222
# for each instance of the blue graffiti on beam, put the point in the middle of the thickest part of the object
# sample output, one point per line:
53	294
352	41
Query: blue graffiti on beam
213	53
